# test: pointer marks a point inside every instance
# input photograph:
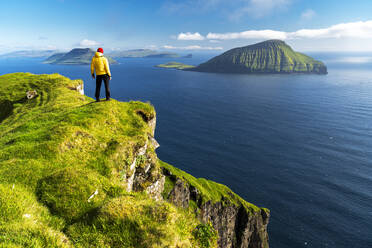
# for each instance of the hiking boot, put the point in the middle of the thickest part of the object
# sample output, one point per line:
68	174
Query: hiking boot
98	100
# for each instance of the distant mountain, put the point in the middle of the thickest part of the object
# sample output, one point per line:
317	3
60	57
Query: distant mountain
143	53
54	58
29	54
272	56
188	56
77	56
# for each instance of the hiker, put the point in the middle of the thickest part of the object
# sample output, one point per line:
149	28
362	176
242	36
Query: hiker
101	66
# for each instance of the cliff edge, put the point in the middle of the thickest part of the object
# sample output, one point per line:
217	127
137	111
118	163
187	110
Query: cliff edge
75	173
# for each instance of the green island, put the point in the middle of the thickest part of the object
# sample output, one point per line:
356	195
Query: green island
175	65
271	56
76	173
77	56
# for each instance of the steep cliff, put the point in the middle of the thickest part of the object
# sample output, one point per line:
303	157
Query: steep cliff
75	173
272	56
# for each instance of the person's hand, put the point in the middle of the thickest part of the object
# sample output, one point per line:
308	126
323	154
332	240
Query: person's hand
93	76
110	78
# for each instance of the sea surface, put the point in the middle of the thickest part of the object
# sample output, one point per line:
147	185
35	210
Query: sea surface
300	145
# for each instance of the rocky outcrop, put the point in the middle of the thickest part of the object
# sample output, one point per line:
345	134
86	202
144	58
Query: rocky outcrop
147	175
180	194
31	94
237	225
78	87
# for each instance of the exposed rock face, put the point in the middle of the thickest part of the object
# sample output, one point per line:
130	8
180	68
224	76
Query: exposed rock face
31	94
180	194
80	88
142	178
155	189
237	226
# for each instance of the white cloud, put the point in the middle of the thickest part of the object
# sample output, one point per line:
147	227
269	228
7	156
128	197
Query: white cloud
89	43
250	34
190	36
308	14
154	47
196	47
360	29
343	30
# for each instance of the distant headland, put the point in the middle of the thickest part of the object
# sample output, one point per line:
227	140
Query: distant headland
77	56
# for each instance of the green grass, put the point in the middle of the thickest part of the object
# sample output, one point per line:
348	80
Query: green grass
175	65
206	235
24	222
209	190
67	192
134	220
56	150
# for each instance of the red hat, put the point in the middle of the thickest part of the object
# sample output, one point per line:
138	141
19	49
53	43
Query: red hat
100	50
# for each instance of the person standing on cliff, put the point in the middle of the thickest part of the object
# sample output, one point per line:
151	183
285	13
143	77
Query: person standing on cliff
100	64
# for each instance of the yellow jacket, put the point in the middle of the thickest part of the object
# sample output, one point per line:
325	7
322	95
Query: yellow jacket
100	64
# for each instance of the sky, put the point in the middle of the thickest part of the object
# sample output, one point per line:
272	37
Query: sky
188	25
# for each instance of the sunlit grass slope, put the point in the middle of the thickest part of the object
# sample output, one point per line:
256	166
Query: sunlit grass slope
58	150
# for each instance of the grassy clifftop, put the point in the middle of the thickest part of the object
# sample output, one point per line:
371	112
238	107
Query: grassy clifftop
66	164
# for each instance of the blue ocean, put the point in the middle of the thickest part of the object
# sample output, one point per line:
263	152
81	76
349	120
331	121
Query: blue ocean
300	145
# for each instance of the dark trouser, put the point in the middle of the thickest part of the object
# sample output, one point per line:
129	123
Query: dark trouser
106	80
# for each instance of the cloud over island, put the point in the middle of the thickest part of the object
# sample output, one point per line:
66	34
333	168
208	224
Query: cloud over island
190	36
361	29
89	43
